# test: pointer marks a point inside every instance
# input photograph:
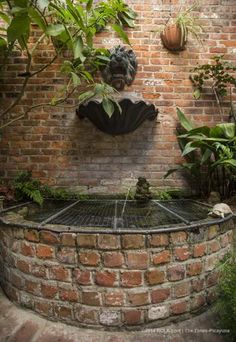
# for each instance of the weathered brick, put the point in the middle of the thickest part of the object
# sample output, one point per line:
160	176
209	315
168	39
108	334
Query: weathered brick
113	259
60	273
211	262
82	277
45	252
157	240
32	287
212	232
68	294
108	241
181	253
138	298
32	235
23	266
194	268
110	318
212	278
49	291
154	277
132	317
86	315
131	278
132	241
199	250
197	284
160	295
161	257
63	312
176	272
27	249
105	278
67	255
49	237
178	308
86	240
91	298
114	298
178	238
89	258
43	307
68	239
198	301
39	270
213	246
182	289
137	260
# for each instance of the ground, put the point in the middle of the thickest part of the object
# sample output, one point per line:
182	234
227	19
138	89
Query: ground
19	325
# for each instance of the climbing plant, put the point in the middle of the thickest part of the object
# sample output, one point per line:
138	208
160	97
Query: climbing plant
67	25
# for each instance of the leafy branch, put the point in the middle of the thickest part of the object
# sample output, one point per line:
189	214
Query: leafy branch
220	75
67	26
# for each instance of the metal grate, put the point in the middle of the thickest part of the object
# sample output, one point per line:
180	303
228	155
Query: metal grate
120	214
189	210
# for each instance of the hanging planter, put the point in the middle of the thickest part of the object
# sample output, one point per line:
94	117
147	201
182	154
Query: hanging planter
173	38
176	32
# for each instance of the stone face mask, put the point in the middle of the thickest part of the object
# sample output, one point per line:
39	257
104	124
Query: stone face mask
121	69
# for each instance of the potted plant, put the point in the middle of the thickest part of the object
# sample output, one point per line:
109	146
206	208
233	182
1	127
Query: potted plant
175	34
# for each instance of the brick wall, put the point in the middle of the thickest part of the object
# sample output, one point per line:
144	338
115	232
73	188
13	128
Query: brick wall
107	280
63	151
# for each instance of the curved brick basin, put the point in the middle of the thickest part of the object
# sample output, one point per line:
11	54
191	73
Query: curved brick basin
112	278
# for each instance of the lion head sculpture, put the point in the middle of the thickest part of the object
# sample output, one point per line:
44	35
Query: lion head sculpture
121	68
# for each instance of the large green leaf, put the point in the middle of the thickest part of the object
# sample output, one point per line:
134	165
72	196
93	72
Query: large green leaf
185	123
230	162
189	147
21	3
78	49
76	79
55	30
19	27
228	129
108	106
89	5
206	155
5	17
121	33
3	43
37	18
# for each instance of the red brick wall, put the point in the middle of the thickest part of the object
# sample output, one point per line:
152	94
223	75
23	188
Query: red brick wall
63	151
105	280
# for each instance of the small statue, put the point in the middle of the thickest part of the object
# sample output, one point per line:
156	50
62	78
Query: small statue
142	193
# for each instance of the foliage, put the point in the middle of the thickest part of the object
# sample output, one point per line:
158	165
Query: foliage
163	195
188	23
210	155
70	25
226	304
221	78
28	188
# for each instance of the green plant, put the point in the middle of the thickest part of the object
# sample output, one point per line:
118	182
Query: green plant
220	74
27	188
226	304
210	155
67	25
188	23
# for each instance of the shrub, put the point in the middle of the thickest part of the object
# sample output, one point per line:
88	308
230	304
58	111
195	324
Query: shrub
226	304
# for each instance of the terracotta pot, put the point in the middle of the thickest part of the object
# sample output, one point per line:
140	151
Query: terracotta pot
172	38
